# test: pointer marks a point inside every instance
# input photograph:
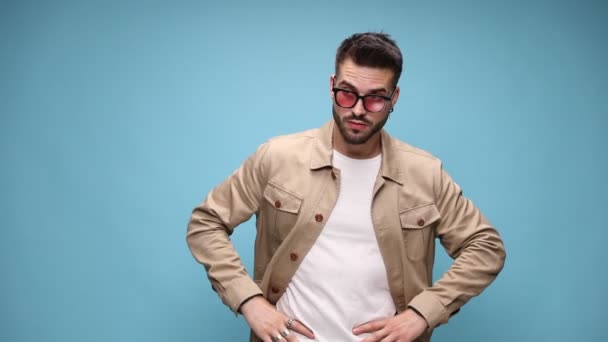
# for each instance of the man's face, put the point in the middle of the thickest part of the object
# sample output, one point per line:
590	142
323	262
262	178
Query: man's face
357	124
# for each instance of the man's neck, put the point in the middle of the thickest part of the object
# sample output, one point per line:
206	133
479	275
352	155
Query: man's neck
367	150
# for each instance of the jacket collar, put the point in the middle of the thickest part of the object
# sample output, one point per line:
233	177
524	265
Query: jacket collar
323	150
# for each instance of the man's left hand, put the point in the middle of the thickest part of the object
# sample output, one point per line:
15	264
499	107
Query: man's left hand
404	327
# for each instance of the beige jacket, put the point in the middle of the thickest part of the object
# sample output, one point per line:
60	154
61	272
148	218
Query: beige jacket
291	186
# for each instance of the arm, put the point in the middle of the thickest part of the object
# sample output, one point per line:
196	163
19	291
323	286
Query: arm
226	206
232	202
475	246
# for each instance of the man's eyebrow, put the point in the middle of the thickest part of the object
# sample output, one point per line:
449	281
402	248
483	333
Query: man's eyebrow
352	87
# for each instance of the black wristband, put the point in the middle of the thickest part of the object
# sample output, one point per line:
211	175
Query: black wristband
246	300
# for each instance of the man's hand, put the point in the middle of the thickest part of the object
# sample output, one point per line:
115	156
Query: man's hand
269	324
405	327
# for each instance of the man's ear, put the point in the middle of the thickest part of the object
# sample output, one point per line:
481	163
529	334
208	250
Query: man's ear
395	96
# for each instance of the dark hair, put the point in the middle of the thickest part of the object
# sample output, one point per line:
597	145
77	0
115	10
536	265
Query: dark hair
371	49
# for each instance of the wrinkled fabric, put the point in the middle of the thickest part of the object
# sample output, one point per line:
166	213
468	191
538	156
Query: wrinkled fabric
289	183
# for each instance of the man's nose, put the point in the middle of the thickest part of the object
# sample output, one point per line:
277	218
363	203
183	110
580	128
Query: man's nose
359	108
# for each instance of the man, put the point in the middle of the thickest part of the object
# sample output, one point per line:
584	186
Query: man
347	218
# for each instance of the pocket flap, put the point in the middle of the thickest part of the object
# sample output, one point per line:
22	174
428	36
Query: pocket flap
281	199
419	217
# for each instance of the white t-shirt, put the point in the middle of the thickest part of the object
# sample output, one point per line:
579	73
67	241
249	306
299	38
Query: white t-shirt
342	281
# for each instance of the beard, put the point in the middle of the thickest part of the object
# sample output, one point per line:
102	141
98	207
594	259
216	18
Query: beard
354	138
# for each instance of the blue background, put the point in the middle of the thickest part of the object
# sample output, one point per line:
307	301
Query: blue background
118	117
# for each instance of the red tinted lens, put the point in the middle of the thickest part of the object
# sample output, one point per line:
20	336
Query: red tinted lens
345	98
374	103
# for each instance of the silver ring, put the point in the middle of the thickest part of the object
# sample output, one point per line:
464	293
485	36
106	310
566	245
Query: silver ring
277	338
289	323
285	333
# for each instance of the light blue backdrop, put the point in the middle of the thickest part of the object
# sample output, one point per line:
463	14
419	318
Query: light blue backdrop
118	117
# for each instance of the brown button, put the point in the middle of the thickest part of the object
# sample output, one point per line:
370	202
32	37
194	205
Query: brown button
420	222
277	204
293	256
318	217
333	175
274	289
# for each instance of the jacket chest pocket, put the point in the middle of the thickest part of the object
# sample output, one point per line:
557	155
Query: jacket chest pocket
417	227
281	210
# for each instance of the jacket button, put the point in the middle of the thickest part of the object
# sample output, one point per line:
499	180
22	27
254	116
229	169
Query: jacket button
277	204
274	289
333	175
293	256
420	222
318	217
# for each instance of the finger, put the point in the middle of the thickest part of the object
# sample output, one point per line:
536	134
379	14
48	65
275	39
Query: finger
270	337
369	327
286	335
291	337
300	328
390	338
276	337
378	336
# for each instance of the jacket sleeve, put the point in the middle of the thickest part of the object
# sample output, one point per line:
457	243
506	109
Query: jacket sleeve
475	246
231	203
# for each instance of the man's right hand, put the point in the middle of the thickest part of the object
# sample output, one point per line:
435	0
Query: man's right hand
268	323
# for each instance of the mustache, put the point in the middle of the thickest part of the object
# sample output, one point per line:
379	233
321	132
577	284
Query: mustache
361	118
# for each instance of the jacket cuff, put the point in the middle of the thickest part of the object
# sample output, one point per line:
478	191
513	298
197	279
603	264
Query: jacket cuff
238	291
428	306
